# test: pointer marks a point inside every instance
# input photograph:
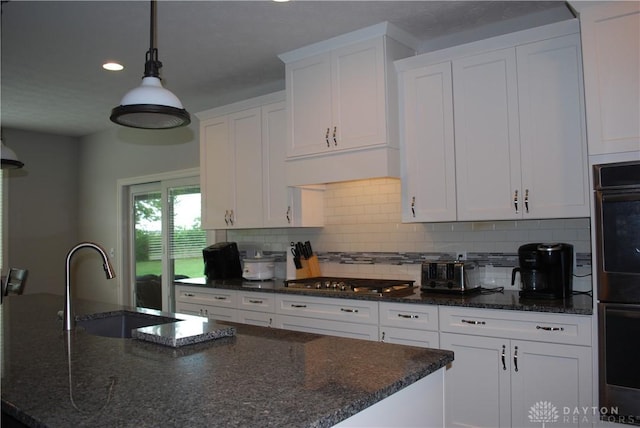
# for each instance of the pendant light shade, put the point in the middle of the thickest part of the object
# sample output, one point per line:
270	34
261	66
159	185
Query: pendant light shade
9	158
150	105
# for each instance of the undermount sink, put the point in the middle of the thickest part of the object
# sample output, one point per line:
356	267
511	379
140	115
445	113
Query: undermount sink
120	323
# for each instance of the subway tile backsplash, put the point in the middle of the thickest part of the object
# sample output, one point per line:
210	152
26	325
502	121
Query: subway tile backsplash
364	235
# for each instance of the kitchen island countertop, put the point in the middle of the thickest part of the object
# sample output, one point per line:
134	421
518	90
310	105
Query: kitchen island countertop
261	377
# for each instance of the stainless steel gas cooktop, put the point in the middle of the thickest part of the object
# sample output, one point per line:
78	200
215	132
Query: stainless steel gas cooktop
337	285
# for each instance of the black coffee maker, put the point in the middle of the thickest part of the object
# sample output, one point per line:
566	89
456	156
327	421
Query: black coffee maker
222	261
546	271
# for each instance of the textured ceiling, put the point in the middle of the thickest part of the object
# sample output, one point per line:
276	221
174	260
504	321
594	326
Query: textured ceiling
214	52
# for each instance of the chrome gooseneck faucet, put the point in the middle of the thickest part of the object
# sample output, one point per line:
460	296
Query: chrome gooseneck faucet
69	321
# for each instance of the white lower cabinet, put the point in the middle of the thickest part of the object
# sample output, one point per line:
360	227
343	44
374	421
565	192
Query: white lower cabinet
213	303
413	325
497	380
256	308
356	319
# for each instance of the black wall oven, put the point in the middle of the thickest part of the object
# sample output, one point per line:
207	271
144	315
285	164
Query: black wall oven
617	229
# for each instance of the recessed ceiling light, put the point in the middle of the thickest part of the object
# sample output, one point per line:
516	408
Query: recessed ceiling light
112	66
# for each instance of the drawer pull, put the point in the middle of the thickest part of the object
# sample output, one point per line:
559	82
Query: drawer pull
349	310
474	322
538	327
257	302
220	298
502	356
298	306
515	358
407	316
189	295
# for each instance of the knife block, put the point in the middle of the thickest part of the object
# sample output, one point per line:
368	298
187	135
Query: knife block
314	266
304	271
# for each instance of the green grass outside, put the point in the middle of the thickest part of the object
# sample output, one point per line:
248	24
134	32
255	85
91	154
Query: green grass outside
193	267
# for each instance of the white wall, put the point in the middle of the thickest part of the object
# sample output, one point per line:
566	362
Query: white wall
42	207
104	158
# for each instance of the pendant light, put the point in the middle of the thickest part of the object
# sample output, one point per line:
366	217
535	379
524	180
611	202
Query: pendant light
150	106
9	158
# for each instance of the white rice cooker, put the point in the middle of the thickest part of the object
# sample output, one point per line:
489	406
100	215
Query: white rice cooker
258	268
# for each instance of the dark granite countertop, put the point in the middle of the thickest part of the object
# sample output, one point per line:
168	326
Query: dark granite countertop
579	304
260	377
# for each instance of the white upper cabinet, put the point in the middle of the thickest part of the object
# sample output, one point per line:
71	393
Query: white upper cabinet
520	133
518	129
611	50
342	104
243	183
231	170
338	99
427	144
487	135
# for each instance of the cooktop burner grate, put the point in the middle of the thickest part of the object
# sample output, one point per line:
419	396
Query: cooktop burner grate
381	287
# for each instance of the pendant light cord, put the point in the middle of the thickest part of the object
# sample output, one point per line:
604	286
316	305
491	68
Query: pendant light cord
152	65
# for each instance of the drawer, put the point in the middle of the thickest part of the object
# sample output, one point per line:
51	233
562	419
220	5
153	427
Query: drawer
402	336
406	315
538	326
256	301
262	319
357	311
207	296
211	312
328	327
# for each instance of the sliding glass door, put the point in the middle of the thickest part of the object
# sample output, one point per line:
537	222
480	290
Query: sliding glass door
166	239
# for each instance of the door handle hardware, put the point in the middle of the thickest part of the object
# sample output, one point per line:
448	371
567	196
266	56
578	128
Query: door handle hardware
349	310
289	214
219	297
226	217
407	316
257	302
474	322
503	356
413	206
382	337
515	201
326	138
231	217
515	359
298	306
526	200
539	327
189	295
335	141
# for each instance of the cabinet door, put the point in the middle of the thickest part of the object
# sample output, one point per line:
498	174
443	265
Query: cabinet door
358	95
211	312
553	137
487	135
308	83
477	390
547	379
216	172
611	48
275	201
245	137
426	135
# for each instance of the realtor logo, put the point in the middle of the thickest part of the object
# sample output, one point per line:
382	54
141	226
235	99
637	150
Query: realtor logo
543	411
